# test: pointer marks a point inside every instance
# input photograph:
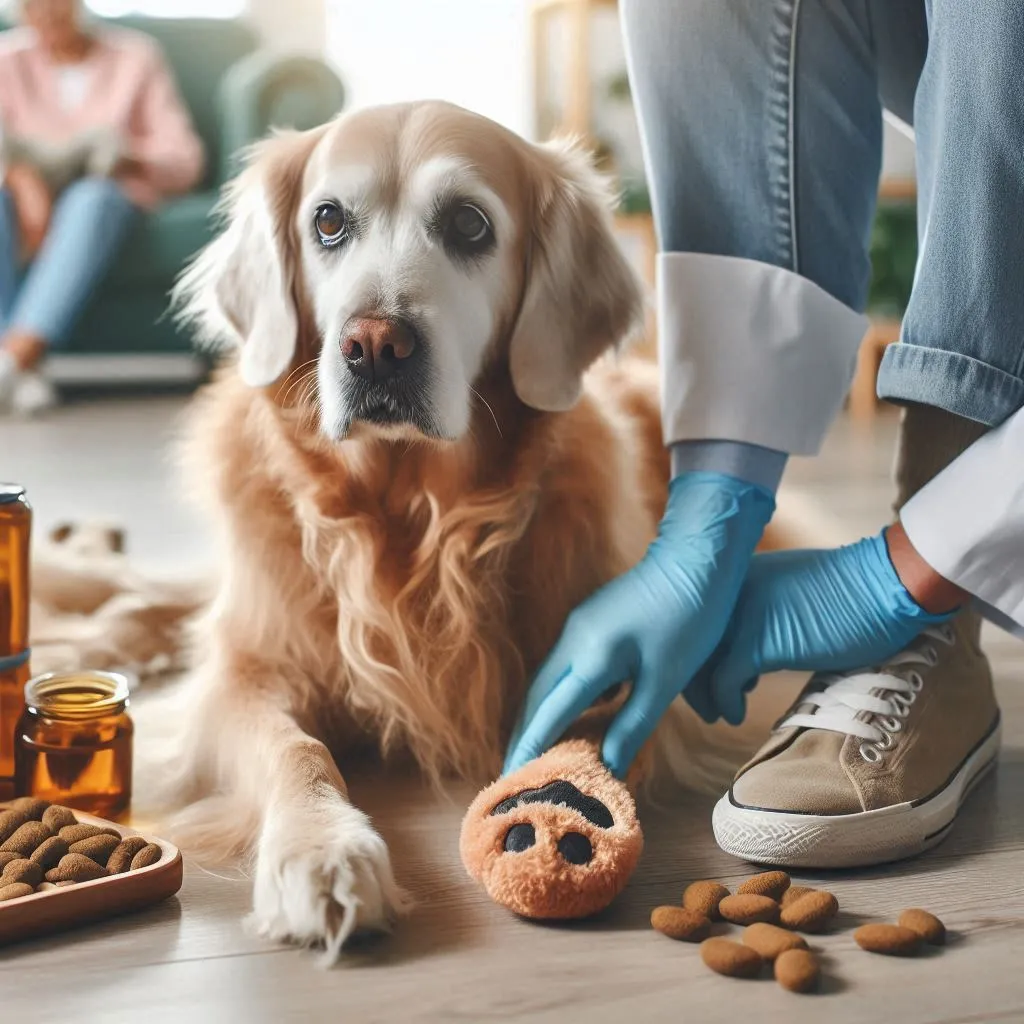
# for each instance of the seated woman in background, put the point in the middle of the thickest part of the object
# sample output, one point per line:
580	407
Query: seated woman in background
92	130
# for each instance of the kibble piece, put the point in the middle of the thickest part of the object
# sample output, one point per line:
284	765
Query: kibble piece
149	854
680	923
793	893
797	970
769	883
748	909
15	891
49	852
56	817
72	834
10	822
33	809
928	926
771	941
46	886
730	958
810	913
27	871
121	859
704	897
7	857
97	848
890	939
75	867
27	838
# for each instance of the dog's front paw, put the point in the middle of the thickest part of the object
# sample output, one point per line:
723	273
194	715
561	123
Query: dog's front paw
323	876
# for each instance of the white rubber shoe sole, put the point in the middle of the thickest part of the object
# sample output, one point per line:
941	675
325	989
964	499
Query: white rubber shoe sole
849	840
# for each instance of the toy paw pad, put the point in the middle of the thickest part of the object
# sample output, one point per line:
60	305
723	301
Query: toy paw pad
557	839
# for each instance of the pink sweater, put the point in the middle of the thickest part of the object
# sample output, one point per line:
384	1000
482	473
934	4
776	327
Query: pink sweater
130	89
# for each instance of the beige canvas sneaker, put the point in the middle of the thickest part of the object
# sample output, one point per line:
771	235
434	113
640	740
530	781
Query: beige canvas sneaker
869	766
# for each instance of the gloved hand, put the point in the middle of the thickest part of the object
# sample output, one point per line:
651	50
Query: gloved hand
655	625
818	611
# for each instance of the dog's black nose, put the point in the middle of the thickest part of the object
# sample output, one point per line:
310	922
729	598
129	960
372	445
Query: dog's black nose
575	848
377	349
519	838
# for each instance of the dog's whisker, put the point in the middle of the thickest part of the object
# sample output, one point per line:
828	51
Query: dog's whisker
487	405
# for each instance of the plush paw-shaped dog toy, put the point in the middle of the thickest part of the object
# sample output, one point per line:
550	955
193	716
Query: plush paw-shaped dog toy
557	839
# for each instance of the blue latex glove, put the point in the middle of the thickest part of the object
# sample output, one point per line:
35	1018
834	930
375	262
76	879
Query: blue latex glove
655	625
816	611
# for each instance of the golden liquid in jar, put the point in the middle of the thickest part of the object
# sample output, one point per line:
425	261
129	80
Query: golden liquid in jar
74	743
15	535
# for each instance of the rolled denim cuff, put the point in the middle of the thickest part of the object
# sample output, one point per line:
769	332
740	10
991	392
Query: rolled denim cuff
750	462
958	383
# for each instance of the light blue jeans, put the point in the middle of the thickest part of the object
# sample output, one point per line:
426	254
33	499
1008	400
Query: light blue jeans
90	221
762	130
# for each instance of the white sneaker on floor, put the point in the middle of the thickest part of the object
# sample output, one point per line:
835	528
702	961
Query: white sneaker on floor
33	394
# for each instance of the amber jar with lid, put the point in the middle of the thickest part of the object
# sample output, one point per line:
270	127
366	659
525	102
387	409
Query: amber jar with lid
15	539
73	744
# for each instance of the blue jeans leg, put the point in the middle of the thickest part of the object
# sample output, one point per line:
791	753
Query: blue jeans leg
962	347
8	256
90	221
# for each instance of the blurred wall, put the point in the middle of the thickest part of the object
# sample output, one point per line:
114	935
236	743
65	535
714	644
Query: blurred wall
471	52
292	25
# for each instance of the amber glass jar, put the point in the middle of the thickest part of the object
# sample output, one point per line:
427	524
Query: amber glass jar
15	536
74	742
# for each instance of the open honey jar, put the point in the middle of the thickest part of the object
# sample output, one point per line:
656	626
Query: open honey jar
73	743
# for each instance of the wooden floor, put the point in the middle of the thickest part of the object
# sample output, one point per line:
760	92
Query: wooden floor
457	958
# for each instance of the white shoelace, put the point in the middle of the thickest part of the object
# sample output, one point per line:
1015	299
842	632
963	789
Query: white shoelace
871	705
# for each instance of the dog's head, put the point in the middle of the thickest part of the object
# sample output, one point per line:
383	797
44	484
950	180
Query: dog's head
410	251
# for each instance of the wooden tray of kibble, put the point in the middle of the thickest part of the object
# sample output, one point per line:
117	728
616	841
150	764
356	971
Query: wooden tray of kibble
71	868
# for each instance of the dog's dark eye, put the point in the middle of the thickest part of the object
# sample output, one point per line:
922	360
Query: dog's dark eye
468	229
331	224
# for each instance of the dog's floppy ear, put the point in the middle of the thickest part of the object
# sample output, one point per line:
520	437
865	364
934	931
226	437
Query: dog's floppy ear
581	295
241	288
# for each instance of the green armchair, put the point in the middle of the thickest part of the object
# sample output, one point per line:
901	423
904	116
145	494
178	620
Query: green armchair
236	93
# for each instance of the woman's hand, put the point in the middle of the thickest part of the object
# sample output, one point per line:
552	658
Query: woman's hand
654	626
33	206
822	611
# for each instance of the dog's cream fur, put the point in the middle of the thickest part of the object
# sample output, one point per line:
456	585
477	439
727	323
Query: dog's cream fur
390	589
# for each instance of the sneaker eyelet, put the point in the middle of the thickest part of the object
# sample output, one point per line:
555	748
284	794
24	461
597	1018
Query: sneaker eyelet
891	724
948	634
870	754
916	683
931	655
887	742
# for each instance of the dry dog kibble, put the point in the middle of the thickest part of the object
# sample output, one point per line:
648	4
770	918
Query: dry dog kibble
33	809
7	857
97	848
704	897
10	822
890	939
793	893
75	867
769	883
49	852
56	817
730	958
748	909
810	913
26	839
680	923
15	891
928	926
72	834
27	871
121	859
771	941
149	854
797	970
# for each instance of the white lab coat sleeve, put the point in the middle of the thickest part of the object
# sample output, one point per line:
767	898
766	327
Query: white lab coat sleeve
751	352
968	523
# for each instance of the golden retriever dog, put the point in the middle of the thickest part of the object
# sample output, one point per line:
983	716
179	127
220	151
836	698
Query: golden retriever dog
414	476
